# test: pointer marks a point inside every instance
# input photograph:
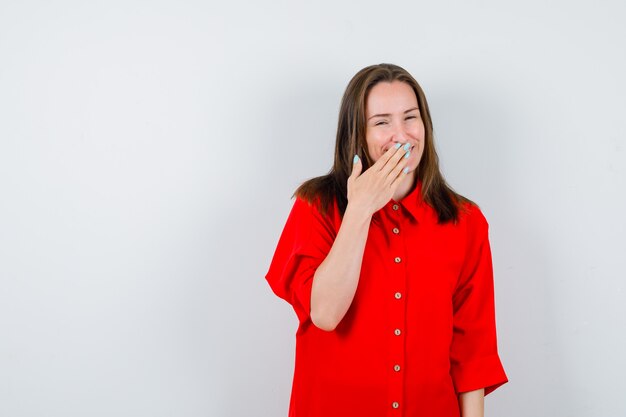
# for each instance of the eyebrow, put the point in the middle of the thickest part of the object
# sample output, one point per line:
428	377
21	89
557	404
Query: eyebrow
388	114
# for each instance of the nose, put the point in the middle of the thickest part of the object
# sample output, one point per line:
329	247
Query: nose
399	134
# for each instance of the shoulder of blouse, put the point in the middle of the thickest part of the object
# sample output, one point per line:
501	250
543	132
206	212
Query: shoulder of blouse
474	218
309	211
314	206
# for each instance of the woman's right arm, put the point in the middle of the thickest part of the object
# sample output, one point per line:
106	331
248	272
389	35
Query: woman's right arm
336	279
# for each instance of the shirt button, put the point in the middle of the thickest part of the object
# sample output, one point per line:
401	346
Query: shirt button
396	368
397	332
396	230
398	295
398	259
395	404
395	207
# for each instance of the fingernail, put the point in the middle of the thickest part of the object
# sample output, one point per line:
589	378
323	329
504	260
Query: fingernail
407	146
406	170
406	155
397	145
356	159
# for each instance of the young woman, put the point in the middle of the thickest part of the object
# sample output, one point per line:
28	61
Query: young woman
388	270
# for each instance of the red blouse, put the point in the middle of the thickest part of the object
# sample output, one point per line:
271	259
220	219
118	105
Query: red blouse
421	327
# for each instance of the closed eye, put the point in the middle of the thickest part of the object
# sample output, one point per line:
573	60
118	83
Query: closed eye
380	123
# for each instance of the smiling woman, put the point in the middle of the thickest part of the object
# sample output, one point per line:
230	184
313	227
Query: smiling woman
393	116
388	270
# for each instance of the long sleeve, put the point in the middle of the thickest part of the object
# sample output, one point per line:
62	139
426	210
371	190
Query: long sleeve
474	358
306	239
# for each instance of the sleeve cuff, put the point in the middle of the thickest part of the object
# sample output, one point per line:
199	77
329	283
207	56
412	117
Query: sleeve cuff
486	373
302	294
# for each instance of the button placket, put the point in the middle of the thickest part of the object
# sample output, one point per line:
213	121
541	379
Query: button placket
397	310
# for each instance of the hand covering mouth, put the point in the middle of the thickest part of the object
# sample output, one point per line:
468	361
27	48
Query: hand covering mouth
410	149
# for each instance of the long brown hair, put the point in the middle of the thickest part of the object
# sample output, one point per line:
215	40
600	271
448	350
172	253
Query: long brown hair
351	140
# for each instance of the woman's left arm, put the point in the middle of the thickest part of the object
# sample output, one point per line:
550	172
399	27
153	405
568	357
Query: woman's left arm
474	359
472	403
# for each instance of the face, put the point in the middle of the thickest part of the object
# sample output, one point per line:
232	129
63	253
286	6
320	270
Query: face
392	115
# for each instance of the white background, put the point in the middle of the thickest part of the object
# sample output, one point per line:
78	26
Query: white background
149	150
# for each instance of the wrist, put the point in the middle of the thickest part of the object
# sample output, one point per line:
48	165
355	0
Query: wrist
358	214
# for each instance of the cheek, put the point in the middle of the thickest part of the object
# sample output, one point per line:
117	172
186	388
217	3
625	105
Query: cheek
374	153
374	143
421	151
419	131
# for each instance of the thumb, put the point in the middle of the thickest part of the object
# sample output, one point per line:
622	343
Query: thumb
357	166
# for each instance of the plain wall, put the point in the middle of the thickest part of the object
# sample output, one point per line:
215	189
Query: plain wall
149	150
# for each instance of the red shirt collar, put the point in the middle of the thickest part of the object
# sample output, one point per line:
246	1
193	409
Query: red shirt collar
413	203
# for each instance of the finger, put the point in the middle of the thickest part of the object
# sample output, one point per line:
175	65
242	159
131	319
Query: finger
357	166
402	173
395	158
389	153
397	171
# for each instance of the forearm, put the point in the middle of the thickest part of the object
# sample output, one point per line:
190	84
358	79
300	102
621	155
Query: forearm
336	279
472	403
